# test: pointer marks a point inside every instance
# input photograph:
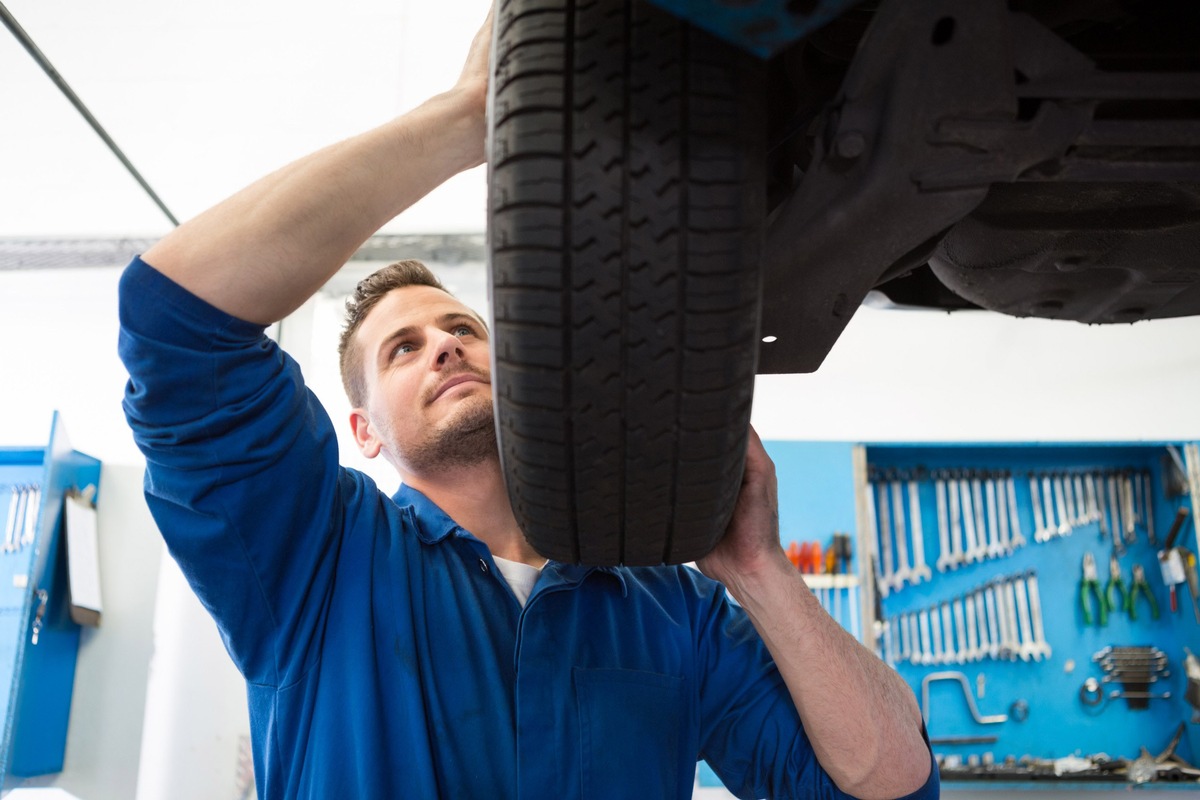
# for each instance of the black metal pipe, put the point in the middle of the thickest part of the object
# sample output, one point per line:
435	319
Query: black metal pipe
11	23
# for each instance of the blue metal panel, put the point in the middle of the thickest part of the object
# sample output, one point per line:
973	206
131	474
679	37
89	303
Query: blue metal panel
36	681
762	27
1058	724
816	490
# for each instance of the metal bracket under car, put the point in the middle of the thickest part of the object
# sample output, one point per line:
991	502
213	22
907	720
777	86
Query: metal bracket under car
944	107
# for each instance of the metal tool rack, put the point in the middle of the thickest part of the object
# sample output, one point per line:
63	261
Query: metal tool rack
38	639
1006	694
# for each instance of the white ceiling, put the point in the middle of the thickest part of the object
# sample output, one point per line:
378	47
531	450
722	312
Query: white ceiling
204	97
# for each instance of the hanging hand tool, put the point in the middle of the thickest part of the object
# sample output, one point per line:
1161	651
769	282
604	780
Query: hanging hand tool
1014	521
1140	586
956	533
793	553
1060	507
971	550
994	548
885	540
1114	507
1170	562
1130	510
1073	512
943	518
995	632
1042	647
1102	504
1149	495
1006	546
1039	521
920	569
981	532
1091	582
1116	584
903	571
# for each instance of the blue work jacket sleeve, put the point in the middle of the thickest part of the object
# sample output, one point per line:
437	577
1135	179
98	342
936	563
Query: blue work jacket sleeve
241	469
751	734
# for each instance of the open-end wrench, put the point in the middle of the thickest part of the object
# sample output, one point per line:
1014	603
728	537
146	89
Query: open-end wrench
943	518
973	652
885	540
1148	494
1010	611
1028	649
971	550
1087	512
31	515
1139	503
962	650
951	651
1039	521
1048	507
903	571
1114	506
994	548
995	635
1118	492
1002	517
873	522
935	629
1130	511
1081	507
997	590
1014	520
956	532
1093	504
1042	647
1060	508
914	650
981	534
926	649
889	653
902	643
1072	513
920	569
1097	482
981	625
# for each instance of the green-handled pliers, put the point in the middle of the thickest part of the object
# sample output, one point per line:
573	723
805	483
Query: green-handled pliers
1140	586
1092	582
1116	582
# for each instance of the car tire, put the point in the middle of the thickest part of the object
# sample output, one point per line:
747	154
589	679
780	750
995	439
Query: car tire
626	201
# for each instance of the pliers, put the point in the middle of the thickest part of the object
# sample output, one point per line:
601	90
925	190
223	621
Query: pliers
1091	581
1140	585
1116	582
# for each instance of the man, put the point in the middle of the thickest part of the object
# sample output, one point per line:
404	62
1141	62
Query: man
384	656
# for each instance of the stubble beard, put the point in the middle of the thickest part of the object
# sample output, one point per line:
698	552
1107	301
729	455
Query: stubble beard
466	439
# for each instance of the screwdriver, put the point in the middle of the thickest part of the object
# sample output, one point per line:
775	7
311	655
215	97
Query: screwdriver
1172	562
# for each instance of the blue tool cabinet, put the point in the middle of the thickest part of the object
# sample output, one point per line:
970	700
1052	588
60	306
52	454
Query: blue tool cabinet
1040	696
36	680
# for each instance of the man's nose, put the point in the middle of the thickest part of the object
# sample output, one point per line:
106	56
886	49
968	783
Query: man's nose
447	348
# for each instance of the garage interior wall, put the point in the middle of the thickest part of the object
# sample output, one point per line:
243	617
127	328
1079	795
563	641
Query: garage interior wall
894	376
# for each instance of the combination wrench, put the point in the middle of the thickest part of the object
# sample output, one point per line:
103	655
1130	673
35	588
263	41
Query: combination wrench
920	569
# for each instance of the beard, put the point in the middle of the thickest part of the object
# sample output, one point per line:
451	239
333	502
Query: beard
465	439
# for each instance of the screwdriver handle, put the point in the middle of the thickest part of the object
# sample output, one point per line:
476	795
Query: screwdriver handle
1176	526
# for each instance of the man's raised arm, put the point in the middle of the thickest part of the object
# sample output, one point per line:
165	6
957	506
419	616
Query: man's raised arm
264	251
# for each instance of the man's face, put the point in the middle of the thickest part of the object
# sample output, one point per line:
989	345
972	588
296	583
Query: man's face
425	358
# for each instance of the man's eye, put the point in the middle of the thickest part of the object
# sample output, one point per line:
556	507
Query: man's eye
464	330
403	350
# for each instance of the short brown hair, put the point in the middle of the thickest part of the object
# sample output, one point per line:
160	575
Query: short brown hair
367	294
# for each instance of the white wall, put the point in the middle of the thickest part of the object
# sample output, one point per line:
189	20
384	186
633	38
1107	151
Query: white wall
892	376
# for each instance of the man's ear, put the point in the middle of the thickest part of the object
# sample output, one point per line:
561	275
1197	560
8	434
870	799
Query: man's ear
364	434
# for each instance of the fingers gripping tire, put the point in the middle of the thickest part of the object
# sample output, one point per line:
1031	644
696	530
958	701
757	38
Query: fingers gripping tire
626	202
